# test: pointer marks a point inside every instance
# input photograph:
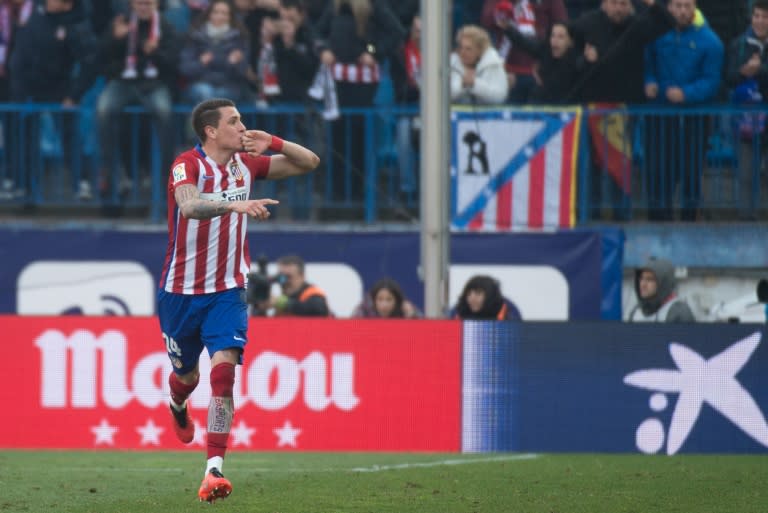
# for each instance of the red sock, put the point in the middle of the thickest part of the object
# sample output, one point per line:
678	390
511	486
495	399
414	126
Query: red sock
180	391
221	408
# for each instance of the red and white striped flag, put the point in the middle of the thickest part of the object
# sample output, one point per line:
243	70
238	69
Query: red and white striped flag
515	171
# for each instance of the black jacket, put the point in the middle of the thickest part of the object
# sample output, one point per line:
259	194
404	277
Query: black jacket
558	75
296	66
54	56
308	301
617	76
338	32
165	58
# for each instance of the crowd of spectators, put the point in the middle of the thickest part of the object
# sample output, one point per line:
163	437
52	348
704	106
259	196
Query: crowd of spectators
157	53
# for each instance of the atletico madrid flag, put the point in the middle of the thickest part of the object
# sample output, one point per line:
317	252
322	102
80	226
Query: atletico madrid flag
514	169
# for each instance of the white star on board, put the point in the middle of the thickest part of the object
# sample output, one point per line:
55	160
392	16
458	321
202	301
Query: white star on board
241	434
150	433
105	433
287	434
199	436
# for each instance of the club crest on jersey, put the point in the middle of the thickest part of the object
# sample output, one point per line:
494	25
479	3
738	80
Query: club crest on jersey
234	170
179	172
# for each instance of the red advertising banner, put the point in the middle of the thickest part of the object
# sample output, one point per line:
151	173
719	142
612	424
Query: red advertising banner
84	382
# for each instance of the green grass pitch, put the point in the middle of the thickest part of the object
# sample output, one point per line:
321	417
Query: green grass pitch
313	482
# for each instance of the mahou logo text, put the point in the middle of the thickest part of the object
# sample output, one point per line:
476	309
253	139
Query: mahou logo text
83	371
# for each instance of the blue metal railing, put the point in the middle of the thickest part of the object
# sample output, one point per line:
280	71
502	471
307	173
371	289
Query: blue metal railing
47	152
665	164
635	163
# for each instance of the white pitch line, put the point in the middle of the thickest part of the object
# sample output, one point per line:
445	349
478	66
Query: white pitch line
424	464
372	468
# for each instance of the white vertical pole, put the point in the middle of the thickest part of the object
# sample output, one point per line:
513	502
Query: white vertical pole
435	148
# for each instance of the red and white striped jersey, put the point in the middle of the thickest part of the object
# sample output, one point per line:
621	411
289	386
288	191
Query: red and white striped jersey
209	255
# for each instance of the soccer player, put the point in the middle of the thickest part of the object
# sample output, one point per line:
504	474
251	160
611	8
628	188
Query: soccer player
201	301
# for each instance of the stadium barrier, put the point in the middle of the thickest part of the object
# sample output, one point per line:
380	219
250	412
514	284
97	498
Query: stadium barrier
633	162
377	385
577	273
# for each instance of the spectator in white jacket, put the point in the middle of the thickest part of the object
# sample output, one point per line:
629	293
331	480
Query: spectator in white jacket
477	70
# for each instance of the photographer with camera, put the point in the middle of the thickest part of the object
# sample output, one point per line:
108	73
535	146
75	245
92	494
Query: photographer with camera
299	298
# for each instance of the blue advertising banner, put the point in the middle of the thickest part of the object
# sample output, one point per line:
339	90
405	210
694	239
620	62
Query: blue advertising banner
611	387
112	272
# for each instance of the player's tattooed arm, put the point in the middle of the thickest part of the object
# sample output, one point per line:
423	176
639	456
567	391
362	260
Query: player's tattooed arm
192	206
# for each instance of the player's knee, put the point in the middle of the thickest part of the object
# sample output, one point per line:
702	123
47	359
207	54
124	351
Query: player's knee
190	378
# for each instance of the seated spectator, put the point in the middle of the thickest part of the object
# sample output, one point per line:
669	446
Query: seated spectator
215	58
386	300
482	299
299	298
534	19
560	64
656	291
477	71
141	52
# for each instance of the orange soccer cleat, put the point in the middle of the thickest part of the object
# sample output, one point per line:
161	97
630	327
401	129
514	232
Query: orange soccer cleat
214	486
182	424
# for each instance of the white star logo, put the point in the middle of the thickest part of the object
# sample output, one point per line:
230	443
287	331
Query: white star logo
287	434
241	434
199	436
700	381
104	432
150	433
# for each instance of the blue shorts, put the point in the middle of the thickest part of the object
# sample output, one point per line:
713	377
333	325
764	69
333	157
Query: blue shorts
215	321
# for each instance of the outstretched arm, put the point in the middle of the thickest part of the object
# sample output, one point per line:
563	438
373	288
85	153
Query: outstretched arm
192	206
292	159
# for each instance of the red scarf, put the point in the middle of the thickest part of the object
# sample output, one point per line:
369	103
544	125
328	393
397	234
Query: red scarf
413	63
150	71
268	72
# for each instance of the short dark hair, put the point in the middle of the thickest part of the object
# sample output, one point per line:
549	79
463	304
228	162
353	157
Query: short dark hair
292	260
760	4
207	113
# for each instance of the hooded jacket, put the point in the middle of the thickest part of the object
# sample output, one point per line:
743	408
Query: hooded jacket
495	307
664	306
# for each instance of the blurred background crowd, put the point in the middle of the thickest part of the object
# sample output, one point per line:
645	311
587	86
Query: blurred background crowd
325	62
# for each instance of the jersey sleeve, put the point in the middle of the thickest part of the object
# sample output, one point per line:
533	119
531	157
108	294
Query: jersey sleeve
258	166
184	171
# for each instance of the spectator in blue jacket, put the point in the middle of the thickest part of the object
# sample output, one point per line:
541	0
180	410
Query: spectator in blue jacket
682	68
